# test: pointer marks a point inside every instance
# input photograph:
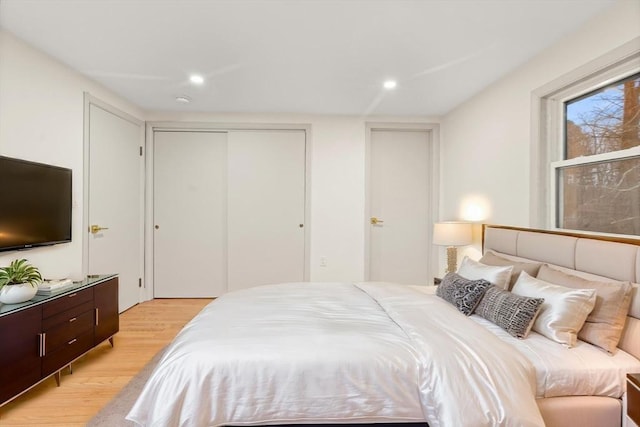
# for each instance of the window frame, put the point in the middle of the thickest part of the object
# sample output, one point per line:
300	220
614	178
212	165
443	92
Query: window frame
548	129
555	205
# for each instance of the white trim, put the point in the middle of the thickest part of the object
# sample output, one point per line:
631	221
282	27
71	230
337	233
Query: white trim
208	126
546	124
433	131
87	98
597	158
113	110
557	166
307	202
149	223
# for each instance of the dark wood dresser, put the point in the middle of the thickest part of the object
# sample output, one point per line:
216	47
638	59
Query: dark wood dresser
40	337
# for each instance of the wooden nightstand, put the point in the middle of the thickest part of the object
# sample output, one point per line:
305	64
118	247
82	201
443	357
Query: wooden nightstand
633	400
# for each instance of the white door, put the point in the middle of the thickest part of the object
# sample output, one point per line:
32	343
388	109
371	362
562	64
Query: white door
399	195
116	189
266	207
190	214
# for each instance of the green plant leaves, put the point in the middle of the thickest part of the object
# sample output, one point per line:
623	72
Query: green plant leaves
19	271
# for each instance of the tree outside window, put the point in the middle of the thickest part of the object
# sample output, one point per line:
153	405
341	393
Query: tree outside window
598	182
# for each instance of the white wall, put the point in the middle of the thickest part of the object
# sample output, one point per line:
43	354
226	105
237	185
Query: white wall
484	154
337	183
486	141
41	119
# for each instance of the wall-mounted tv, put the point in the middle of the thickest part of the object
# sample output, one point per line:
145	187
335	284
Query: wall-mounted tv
35	204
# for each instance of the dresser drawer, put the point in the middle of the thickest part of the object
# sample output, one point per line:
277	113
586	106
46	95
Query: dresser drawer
61	334
66	353
66	302
66	316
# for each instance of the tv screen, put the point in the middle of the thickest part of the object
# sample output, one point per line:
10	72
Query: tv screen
35	204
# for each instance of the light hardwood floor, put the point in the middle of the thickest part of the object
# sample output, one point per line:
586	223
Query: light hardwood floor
100	374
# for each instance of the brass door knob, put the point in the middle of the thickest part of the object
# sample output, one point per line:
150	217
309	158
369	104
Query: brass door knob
376	221
96	228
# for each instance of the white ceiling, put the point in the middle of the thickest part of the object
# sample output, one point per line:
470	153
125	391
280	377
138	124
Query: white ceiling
300	56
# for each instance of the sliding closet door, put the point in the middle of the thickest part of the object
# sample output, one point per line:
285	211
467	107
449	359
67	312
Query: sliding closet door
190	214
266	202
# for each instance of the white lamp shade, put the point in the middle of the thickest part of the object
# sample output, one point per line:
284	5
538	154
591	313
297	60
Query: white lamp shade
451	233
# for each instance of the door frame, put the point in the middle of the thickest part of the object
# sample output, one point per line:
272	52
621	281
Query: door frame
165	126
90	100
433	135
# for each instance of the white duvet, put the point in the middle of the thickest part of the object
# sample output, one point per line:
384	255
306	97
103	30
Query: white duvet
583	370
338	353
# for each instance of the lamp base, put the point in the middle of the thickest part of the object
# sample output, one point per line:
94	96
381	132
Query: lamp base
452	259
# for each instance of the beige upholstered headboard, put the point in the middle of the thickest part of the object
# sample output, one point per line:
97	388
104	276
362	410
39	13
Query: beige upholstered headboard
613	258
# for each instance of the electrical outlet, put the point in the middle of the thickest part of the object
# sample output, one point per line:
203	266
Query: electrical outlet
323	261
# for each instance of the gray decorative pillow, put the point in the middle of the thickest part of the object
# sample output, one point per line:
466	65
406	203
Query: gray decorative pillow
513	313
462	293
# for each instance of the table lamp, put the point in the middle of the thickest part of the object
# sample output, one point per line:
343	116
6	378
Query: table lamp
452	234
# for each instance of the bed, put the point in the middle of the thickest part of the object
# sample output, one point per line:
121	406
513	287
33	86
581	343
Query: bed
379	353
593	258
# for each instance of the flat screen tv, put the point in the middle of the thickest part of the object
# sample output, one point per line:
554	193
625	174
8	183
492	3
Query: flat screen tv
35	204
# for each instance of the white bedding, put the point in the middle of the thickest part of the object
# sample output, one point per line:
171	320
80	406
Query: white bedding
320	352
584	370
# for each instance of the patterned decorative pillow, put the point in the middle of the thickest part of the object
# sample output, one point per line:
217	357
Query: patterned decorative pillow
464	294
513	313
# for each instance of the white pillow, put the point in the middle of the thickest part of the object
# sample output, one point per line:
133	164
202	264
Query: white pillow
563	311
497	275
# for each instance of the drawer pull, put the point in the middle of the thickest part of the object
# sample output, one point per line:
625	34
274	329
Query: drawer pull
42	349
72	341
97	316
73	319
73	295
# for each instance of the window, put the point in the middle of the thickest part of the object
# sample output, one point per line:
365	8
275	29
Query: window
597	182
585	146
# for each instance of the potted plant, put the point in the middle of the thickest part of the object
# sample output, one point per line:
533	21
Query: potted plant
18	282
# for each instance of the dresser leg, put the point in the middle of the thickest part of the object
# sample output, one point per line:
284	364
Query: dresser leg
70	369
111	341
57	377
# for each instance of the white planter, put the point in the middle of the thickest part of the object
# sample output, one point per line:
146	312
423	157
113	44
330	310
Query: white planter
14	294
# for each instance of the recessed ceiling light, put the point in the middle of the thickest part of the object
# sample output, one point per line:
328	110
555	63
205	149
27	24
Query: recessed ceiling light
390	84
183	99
196	79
